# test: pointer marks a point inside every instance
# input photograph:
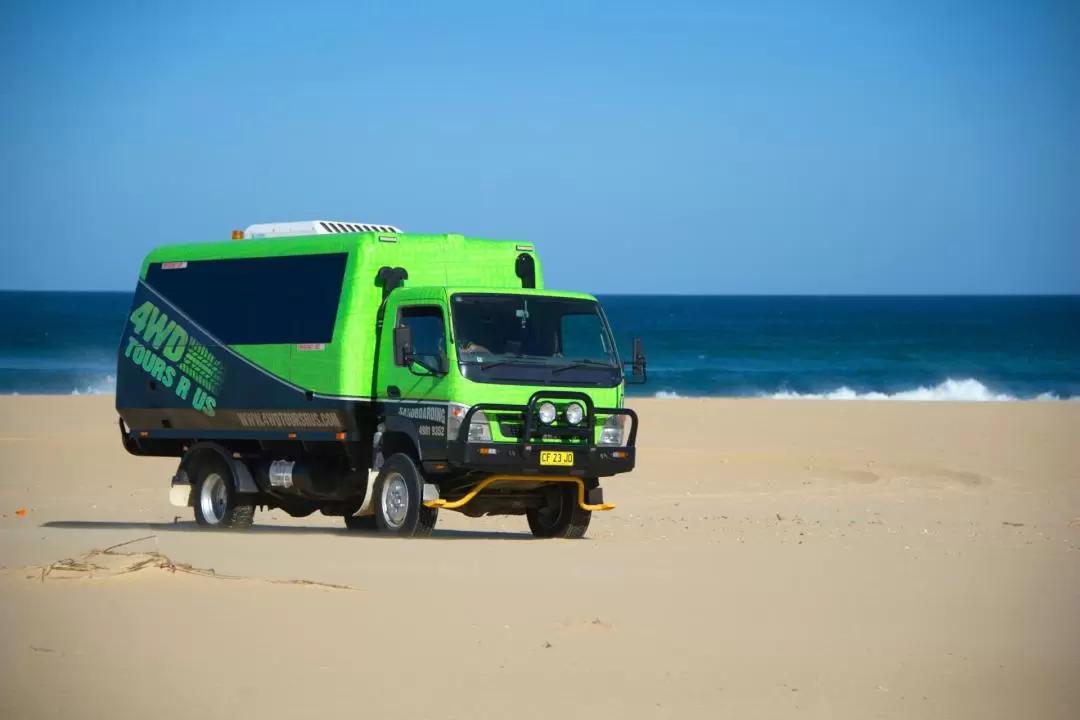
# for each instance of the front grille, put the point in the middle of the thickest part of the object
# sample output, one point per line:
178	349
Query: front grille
516	430
509	429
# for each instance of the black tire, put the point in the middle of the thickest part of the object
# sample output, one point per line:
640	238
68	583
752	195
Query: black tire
399	496
365	523
217	504
562	517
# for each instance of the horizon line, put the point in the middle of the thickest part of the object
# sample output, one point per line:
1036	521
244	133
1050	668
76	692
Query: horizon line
677	294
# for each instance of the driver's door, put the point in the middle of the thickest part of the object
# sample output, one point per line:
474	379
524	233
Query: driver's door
427	319
414	399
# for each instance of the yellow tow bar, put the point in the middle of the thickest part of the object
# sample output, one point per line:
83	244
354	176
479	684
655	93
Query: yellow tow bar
454	504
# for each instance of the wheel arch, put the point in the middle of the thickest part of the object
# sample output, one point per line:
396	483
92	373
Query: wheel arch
242	478
401	436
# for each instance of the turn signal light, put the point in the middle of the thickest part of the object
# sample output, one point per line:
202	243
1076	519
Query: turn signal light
237	234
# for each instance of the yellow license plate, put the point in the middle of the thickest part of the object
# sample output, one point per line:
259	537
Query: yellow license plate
556	457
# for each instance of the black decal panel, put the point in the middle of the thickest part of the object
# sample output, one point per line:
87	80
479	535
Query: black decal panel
428	420
172	375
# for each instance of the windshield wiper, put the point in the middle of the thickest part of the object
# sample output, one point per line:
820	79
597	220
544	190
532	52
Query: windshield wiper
582	363
534	360
518	360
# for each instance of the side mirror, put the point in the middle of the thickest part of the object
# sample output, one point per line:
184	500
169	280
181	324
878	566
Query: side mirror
403	347
639	358
638	363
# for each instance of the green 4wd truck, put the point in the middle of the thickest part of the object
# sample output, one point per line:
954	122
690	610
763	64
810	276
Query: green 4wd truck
375	375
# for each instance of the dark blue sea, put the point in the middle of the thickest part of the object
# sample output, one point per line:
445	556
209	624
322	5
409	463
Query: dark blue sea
909	348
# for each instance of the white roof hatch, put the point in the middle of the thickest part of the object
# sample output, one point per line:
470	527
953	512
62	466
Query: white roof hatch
313	227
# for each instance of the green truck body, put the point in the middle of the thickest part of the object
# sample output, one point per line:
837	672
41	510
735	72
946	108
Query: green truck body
376	375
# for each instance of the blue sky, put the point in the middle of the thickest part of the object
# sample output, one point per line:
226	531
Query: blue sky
706	147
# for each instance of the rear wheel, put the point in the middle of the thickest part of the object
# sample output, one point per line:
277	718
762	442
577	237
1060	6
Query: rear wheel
562	516
217	504
399	499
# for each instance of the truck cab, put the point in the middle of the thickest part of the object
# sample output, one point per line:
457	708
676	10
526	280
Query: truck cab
436	374
532	385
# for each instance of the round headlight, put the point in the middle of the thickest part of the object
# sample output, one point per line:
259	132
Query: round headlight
574	413
547	413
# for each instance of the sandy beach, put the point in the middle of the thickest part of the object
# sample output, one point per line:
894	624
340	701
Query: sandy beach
767	559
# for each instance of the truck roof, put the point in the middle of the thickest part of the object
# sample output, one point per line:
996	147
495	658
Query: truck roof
286	245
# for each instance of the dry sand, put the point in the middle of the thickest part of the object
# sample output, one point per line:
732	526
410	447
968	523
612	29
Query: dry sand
767	559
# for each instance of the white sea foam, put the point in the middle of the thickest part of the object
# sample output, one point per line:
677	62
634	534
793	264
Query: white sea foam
967	390
99	386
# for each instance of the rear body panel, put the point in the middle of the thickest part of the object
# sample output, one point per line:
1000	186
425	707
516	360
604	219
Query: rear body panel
176	380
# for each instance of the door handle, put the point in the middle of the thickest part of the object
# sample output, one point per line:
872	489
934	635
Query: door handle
393	391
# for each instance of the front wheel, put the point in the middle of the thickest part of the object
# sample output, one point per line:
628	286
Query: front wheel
561	516
399	499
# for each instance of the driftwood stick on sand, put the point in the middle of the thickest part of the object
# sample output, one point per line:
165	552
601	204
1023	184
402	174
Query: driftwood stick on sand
152	559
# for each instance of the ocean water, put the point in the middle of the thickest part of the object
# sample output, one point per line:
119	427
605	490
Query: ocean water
910	348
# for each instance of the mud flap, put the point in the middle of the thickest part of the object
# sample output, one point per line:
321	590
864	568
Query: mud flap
368	506
180	490
431	492
594	496
245	484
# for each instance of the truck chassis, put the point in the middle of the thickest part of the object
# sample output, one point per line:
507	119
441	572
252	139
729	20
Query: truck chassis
224	481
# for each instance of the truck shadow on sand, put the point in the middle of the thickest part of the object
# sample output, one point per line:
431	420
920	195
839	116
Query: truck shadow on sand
191	527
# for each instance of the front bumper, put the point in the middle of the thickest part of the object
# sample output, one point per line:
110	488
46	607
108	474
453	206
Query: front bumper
515	458
571	447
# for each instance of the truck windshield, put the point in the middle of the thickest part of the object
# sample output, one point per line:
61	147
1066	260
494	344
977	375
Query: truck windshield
562	333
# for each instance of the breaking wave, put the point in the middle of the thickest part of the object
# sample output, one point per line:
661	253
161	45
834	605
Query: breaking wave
967	390
99	386
65	384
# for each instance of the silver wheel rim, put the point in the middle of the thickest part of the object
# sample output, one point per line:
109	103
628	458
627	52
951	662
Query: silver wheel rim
395	500
213	498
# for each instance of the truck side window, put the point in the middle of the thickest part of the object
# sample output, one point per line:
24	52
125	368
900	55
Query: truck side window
428	331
